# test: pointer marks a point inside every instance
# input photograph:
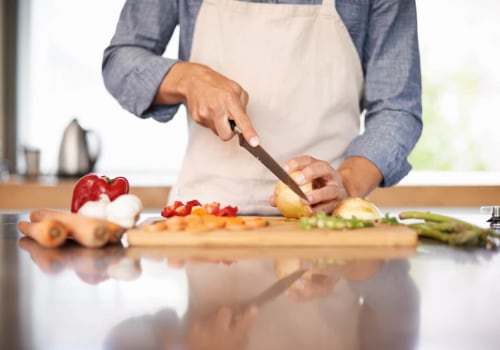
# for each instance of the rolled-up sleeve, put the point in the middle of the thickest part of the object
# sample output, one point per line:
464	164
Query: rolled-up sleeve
392	92
133	66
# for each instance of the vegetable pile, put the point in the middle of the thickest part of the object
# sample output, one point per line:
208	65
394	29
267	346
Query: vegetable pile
101	210
450	230
198	223
322	220
91	186
179	208
353	213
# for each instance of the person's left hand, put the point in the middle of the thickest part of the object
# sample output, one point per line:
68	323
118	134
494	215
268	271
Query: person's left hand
328	189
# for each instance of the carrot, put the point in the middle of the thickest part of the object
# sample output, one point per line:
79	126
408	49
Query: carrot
50	261
156	226
255	222
115	232
197	227
89	232
48	233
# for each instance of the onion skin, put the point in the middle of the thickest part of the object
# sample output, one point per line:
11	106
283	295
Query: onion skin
357	207
290	204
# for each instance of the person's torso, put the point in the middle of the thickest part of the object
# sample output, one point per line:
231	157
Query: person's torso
304	80
354	14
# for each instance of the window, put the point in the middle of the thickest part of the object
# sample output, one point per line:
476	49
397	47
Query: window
61	45
461	85
61	49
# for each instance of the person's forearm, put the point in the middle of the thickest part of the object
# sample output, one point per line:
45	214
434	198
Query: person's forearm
359	176
171	90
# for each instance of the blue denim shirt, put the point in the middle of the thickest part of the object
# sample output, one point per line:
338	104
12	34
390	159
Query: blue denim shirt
384	33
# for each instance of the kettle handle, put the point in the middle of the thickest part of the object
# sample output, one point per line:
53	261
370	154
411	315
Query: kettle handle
93	157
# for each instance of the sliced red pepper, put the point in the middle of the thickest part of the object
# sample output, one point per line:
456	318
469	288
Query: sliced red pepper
228	211
89	187
212	208
182	211
191	204
178	208
169	210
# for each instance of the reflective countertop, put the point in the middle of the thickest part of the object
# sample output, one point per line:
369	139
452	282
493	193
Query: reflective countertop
119	297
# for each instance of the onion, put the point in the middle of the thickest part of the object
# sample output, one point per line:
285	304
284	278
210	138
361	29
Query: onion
357	207
289	204
286	266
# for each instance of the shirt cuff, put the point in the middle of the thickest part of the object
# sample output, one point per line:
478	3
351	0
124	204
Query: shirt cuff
387	144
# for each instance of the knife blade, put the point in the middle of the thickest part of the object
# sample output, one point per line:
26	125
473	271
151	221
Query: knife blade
264	157
273	291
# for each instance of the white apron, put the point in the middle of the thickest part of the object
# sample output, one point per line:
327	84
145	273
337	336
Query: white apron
304	79
323	323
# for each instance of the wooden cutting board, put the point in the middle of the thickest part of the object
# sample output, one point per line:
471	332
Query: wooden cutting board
279	233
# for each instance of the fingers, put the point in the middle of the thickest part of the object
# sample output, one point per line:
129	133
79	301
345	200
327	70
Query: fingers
305	290
328	189
212	99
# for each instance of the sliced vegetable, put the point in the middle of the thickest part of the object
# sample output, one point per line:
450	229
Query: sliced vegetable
324	221
289	203
228	211
178	208
89	187
204	223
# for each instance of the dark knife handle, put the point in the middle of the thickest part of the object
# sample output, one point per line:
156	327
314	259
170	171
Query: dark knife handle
233	126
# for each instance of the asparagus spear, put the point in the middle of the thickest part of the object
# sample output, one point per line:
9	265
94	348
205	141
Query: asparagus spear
450	230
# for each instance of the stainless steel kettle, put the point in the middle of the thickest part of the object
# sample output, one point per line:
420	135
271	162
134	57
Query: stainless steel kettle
75	156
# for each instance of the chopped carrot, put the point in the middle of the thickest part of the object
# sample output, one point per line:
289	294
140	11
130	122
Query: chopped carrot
197	227
156	226
198	211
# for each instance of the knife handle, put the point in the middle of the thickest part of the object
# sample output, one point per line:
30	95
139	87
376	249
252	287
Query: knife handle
233	126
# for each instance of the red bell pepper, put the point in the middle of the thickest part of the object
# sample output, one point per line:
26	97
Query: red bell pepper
89	187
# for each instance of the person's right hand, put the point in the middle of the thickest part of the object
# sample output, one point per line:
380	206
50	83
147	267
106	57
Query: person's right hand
211	99
224	329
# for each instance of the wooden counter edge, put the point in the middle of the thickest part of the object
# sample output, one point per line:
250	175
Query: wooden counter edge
18	195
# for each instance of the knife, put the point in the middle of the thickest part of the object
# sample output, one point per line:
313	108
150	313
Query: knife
275	290
264	157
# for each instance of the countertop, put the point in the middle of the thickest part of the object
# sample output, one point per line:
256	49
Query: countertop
119	297
20	193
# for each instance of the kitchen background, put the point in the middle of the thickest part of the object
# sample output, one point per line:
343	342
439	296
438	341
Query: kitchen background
59	51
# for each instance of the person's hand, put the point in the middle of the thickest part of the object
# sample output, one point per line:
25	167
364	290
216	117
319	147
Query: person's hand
317	282
322	276
211	98
328	189
221	330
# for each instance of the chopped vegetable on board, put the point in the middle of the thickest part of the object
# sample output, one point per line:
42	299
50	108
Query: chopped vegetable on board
322	220
179	208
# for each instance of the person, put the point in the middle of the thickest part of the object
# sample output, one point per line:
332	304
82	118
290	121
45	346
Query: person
336	304
331	89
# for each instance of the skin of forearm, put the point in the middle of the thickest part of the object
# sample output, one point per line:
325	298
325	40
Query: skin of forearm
172	88
359	176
